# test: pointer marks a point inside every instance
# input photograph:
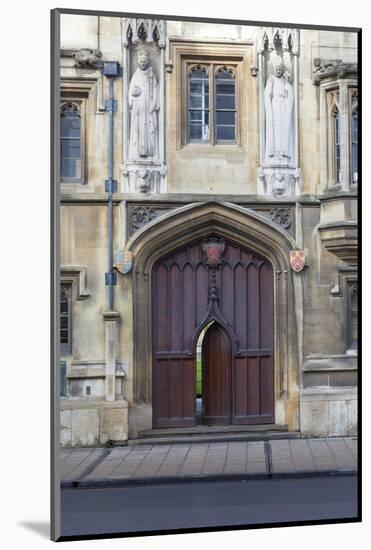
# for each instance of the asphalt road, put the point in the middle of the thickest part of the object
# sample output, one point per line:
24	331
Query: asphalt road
206	504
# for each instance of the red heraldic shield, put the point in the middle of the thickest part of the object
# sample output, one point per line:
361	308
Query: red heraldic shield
297	260
213	252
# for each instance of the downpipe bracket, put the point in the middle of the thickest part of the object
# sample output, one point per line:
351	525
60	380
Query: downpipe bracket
110	186
110	278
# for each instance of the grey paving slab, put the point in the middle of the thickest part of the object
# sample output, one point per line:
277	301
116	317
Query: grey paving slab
236	459
126	472
322	455
345	460
237	453
103	471
173	461
282	461
64	453
256	468
352	444
74	465
256	451
151	463
106	468
194	460
73	456
129	464
302	456
120	452
202	459
215	459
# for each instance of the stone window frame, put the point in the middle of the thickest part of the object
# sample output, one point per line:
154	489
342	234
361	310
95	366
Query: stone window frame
353	92
75	277
79	106
185	53
66	347
347	279
341	86
352	285
211	68
79	92
333	111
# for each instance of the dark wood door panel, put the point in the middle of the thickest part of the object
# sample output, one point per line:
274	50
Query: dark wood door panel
180	299
173	395
216	376
253	388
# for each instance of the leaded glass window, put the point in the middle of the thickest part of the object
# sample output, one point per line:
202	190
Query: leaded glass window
353	316
354	135
71	165
225	104
65	318
336	116
199	111
211	104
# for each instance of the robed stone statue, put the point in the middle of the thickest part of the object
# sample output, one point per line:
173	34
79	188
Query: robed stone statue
279	103
144	106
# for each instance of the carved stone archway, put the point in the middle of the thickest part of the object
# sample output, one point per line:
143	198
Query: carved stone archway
246	228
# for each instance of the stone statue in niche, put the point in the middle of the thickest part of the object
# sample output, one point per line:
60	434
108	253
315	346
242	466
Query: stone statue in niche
279	104
144	106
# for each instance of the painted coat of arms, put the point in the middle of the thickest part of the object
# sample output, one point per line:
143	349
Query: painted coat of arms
213	251
124	262
297	260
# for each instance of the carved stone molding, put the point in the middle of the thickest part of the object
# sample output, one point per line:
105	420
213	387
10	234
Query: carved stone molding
141	215
271	37
340	238
279	181
281	216
144	177
332	68
77	275
344	275
87	58
148	30
277	71
144	166
320	362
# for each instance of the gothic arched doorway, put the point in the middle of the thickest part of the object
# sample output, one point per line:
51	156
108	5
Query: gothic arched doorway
213	279
216	362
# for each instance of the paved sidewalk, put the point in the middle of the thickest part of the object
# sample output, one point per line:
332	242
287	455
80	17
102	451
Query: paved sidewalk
198	461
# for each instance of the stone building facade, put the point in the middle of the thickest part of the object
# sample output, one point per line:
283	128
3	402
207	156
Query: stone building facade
233	147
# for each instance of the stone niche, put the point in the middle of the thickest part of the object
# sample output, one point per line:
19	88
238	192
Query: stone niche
144	169
277	52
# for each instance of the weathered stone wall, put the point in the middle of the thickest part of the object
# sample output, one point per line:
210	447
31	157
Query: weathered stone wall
213	169
327	376
89	423
103	34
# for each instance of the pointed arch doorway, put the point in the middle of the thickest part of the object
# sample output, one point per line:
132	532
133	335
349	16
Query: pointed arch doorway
189	291
216	365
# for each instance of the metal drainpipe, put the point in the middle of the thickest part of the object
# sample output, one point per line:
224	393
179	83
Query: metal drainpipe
110	70
110	184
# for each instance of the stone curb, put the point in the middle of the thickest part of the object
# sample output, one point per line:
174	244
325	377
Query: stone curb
124	482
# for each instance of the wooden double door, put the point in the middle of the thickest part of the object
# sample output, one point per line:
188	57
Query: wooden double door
234	300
